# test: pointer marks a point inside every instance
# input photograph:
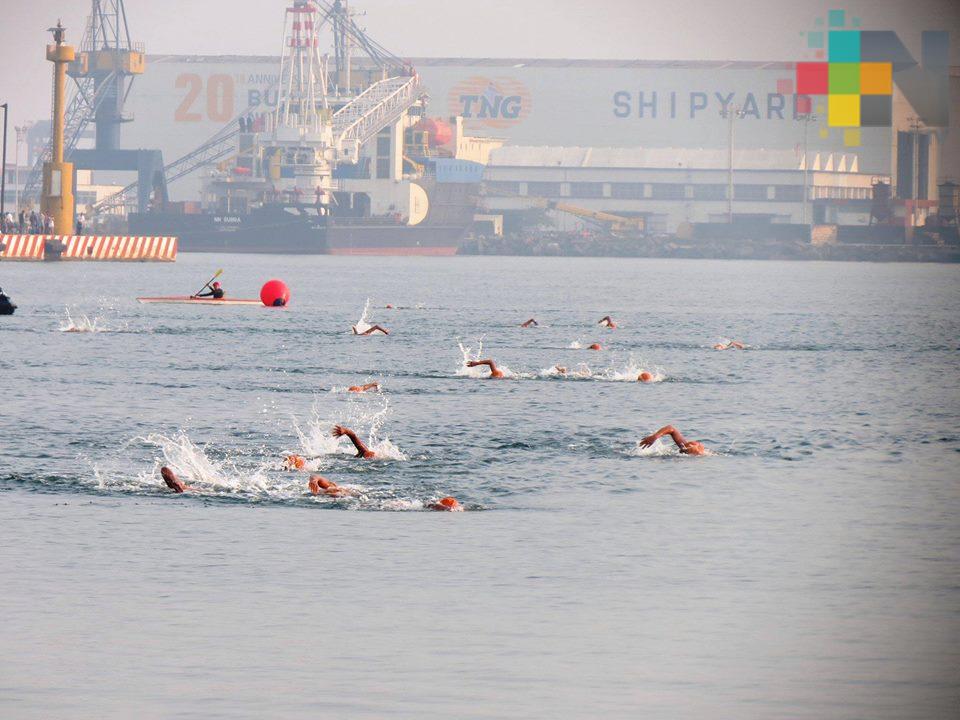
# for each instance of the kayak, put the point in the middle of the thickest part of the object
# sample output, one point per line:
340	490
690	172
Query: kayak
187	300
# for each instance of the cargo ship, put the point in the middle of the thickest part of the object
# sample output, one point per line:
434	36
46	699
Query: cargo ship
294	227
344	161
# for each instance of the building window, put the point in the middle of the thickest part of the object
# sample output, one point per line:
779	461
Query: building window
383	167
710	192
667	191
383	145
788	193
502	187
543	189
586	190
627	191
750	192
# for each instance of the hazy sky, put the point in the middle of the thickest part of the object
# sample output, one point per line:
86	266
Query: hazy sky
647	29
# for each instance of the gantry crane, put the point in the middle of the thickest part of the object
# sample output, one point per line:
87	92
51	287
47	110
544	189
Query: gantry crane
103	73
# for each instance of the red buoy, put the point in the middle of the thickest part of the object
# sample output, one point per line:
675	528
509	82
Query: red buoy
274	293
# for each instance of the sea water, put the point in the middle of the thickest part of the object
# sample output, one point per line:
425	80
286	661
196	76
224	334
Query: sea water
808	568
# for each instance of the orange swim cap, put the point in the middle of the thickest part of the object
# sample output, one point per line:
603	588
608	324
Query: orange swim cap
645	377
449	502
595	346
294	462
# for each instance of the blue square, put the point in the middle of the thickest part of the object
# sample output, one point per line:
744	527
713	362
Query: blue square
837	18
844	46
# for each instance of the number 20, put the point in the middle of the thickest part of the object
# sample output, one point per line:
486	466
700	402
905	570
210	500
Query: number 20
220	93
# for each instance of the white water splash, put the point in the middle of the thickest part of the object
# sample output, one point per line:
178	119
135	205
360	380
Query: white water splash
80	322
106	319
363	324
663	448
316	438
576	345
468	354
630	372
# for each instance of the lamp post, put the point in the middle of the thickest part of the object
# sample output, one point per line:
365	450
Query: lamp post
806	120
3	176
731	113
21	131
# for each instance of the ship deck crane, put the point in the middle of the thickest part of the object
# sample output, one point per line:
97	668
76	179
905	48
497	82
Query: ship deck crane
355	123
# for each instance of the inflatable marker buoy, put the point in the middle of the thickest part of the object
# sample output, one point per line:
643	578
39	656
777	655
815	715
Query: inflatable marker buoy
274	293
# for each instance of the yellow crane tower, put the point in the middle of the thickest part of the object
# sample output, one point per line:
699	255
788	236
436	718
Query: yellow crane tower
57	197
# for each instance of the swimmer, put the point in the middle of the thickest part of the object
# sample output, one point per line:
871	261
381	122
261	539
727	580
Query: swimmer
447	504
362	450
595	346
389	306
529	323
607	322
173	482
495	372
318	484
371	330
363	388
294	462
687	447
644	377
561	370
732	345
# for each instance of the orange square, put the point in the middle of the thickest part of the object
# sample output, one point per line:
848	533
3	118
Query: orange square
876	78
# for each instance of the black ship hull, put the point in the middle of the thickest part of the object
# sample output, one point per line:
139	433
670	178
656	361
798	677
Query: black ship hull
295	231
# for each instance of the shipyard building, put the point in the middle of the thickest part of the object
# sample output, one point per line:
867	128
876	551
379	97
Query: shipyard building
673	142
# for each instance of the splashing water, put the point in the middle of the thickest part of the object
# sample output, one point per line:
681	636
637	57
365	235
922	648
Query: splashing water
576	345
631	371
80	323
192	465
363	324
106	319
628	373
317	441
468	354
581	370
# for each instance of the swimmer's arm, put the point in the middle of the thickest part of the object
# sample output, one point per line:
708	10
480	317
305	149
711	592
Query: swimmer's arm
362	449
665	430
477	363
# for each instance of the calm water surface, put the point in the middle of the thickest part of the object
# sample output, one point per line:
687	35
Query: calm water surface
808	569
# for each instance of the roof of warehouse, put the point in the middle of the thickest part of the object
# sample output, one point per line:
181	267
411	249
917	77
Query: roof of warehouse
664	158
512	62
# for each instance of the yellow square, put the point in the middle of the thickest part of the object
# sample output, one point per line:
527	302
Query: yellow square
824	133
843	110
876	78
851	137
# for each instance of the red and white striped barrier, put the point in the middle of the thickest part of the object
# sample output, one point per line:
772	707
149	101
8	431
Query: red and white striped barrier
89	247
118	247
21	247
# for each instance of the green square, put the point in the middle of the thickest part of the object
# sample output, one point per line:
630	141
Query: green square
815	39
844	78
837	18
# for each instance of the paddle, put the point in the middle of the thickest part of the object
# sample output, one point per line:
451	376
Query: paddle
217	274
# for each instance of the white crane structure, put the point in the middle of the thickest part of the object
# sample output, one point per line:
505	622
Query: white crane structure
320	119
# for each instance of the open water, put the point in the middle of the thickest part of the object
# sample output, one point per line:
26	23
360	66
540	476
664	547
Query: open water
807	569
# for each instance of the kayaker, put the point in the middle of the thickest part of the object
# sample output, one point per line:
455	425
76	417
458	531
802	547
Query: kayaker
216	292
